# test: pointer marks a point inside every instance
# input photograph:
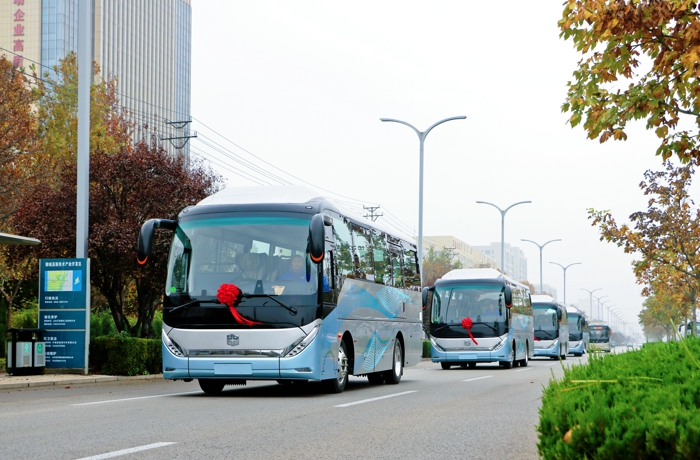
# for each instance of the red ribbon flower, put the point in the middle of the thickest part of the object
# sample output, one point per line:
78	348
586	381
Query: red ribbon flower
467	324
230	295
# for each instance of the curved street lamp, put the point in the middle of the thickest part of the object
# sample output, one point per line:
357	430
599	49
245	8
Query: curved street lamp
503	218
598	309
575	263
421	136
590	293
541	247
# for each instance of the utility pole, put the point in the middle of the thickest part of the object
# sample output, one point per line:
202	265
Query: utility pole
182	135
371	214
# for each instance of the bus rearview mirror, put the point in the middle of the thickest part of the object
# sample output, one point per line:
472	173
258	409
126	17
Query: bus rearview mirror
145	244
317	239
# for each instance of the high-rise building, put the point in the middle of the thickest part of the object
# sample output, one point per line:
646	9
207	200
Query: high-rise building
466	254
514	259
144	44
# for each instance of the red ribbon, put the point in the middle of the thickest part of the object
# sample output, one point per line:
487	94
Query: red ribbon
230	295
467	324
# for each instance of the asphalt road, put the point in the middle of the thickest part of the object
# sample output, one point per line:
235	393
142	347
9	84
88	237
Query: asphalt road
481	413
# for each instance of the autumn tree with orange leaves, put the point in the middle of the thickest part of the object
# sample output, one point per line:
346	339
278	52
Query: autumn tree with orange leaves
640	61
666	235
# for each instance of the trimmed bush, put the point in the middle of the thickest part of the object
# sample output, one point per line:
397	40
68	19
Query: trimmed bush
124	355
426	348
640	404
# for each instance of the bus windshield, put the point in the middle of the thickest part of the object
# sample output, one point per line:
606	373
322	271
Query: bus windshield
575	326
545	319
482	303
599	334
263	254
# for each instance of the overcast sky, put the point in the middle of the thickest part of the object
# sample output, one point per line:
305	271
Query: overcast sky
301	85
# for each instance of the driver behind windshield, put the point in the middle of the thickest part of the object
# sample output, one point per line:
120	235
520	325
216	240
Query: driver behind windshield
297	272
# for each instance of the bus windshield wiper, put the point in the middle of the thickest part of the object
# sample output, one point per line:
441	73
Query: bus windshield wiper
444	326
193	303
291	310
549	334
486	324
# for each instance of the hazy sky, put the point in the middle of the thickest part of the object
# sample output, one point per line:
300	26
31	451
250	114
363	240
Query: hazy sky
302	85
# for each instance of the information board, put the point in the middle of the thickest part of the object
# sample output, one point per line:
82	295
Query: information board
64	311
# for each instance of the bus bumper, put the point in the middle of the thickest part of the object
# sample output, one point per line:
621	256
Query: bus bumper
548	352
576	348
458	357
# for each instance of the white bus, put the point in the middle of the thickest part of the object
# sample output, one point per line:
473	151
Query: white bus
578	332
551	327
319	293
479	315
599	336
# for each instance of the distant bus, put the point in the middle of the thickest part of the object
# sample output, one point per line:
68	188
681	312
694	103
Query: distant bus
479	316
599	337
319	293
578	332
551	327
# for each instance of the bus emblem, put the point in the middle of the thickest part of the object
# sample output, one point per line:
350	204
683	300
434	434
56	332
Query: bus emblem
232	340
468	343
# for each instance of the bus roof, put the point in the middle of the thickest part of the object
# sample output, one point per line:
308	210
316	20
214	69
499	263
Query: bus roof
481	274
573	310
543	299
292	194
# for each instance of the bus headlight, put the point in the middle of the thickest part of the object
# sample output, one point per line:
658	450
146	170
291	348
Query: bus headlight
173	346
299	346
435	344
554	344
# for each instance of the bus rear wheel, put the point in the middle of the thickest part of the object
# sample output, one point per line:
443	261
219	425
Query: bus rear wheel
393	375
211	386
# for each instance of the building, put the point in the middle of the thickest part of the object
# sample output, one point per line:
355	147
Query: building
144	44
514	260
466	254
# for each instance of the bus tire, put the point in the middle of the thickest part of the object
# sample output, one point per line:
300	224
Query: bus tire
524	361
511	362
337	384
472	365
211	387
446	366
393	375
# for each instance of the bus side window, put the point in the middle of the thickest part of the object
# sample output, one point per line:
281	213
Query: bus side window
330	288
380	268
410	269
343	244
395	259
363	252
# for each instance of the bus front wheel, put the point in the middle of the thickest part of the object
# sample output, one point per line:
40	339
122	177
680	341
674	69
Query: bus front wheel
511	359
446	366
211	386
337	384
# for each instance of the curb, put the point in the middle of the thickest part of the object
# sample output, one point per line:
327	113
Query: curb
7	382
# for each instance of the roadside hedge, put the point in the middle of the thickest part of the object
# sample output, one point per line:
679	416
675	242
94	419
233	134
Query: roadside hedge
123	355
641	404
426	348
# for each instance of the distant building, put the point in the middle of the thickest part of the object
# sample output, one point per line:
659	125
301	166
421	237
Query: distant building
515	260
146	45
466	254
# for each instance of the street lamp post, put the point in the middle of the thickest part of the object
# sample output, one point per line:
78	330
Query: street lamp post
421	136
575	263
598	309
590	293
503	219
602	309
541	247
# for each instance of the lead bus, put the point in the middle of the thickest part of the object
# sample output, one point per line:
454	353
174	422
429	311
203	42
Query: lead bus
599	336
479	315
551	327
277	283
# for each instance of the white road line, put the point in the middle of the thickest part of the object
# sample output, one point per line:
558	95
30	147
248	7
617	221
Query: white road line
375	399
478	378
526	369
132	399
547	365
117	453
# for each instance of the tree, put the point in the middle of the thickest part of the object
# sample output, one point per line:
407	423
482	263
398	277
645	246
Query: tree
436	264
640	61
18	137
666	235
126	189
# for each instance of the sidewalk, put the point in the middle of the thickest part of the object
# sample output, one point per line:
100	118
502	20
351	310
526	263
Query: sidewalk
26	381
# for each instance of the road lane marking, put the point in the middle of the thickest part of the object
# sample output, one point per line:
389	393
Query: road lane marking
375	399
118	453
547	365
526	369
477	378
132	399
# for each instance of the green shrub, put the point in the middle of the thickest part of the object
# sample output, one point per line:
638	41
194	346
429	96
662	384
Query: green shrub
426	348
101	324
124	355
639	404
25	319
